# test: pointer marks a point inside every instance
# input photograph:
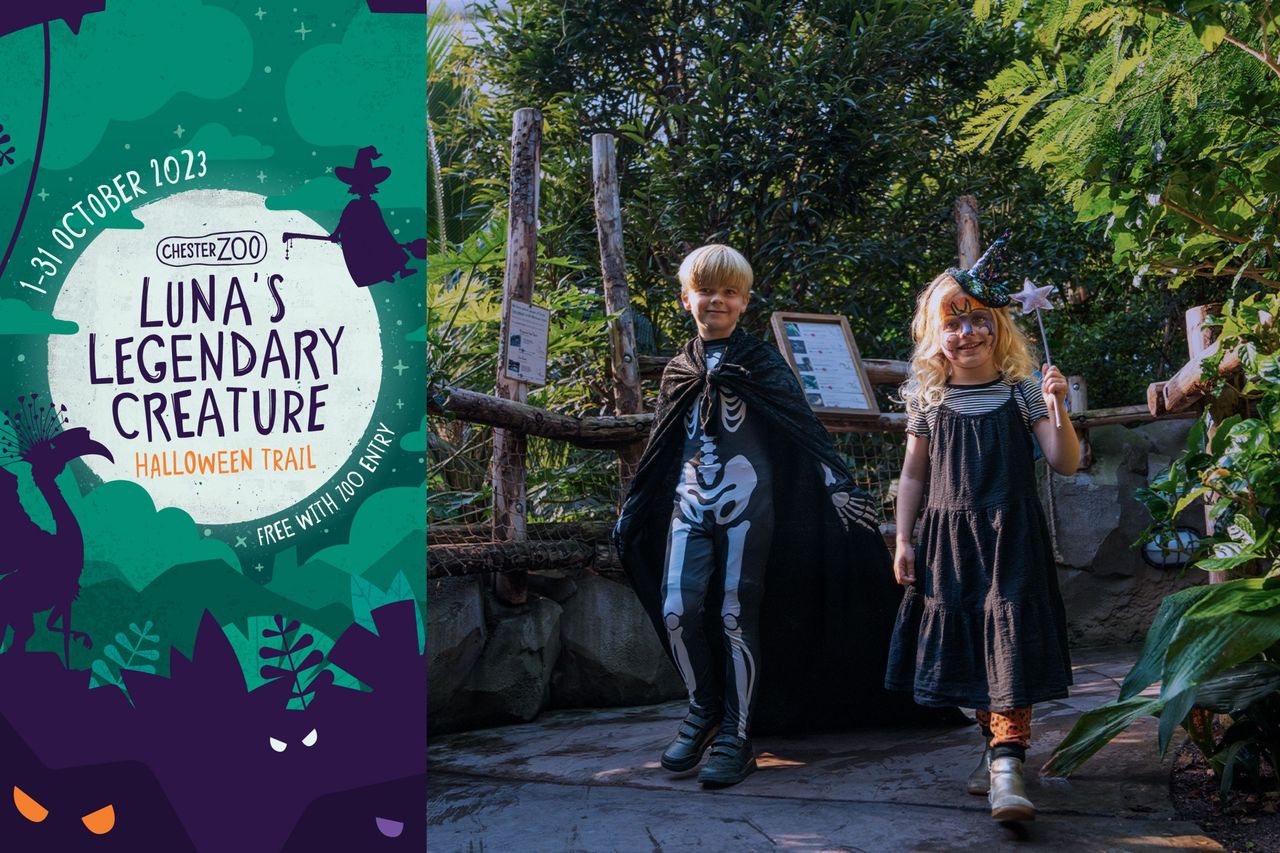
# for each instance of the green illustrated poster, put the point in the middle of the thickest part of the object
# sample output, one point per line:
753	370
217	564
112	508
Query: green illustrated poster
212	498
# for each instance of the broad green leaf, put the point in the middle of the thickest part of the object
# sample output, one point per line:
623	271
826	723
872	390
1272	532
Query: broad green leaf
1172	715
1239	687
1206	646
1095	729
1226	564
1243	595
1222	437
1190	498
1151	660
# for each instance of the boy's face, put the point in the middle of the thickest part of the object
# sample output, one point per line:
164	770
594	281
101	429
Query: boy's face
715	308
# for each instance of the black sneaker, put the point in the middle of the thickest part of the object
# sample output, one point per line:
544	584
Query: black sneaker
691	741
732	760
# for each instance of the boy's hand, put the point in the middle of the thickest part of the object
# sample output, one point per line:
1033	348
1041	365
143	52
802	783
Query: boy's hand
1054	384
904	564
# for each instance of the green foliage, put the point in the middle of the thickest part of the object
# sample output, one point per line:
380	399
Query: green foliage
1158	120
367	597
1238	470
116	652
807	134
464	305
1214	647
300	653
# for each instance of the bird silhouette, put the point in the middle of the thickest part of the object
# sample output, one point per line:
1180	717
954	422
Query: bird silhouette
40	570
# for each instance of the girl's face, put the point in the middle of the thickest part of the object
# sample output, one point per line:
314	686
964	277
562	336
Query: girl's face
968	330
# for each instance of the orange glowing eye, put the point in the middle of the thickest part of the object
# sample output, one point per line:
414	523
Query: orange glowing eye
100	822
28	807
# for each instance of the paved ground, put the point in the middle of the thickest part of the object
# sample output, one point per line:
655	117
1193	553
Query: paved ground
589	781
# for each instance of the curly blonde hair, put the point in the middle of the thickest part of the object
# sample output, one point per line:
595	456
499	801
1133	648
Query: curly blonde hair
930	369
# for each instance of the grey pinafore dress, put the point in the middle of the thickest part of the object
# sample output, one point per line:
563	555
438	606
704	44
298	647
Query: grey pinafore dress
983	625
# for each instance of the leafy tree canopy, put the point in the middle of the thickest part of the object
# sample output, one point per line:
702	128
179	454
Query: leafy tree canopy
1159	120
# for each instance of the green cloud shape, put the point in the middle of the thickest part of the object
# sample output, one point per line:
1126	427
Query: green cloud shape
220	143
380	524
325	193
123	527
418	335
415	442
125	65
19	318
340	94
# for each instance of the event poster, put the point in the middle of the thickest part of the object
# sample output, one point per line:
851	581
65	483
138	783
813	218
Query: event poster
212	496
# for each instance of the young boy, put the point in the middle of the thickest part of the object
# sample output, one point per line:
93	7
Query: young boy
739	536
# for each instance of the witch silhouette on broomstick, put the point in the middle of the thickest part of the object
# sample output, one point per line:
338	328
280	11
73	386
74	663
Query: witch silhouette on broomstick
371	251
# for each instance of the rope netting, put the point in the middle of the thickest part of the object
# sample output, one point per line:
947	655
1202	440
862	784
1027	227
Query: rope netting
875	460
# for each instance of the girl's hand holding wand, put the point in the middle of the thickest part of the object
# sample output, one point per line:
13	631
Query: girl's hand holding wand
1054	388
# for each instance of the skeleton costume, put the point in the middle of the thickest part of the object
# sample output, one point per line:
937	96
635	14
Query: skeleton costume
760	564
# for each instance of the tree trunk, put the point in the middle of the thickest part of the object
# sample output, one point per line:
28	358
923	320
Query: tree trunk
509	447
617	298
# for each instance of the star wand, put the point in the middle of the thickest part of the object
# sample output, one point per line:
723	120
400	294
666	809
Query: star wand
1034	298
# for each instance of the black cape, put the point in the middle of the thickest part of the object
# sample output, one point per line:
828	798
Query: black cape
830	598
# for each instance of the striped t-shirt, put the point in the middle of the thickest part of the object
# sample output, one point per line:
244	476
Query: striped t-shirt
980	399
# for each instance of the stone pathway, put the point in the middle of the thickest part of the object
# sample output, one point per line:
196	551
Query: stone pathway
589	781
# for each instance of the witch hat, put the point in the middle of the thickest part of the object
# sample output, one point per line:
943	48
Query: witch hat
364	176
982	280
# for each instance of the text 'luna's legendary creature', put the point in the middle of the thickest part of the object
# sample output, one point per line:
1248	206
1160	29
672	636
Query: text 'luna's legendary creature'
40	570
371	251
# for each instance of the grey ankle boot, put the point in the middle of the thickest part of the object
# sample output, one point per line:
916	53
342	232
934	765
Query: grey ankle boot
979	781
1008	794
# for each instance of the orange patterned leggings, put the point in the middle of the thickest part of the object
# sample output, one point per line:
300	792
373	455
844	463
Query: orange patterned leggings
1007	726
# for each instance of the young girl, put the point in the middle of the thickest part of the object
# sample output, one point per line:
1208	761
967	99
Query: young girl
981	624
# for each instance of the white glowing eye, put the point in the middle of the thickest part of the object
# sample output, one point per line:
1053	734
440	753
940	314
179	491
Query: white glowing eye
277	745
310	739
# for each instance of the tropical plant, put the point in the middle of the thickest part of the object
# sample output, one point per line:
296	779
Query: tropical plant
1237	470
464	304
440	92
1215	647
139	658
1159	120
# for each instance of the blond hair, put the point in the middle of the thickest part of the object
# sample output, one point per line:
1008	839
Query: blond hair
716	264
930	369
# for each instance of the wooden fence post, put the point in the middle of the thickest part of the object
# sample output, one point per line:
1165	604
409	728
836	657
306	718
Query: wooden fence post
617	298
968	235
1199	339
509	447
1078	401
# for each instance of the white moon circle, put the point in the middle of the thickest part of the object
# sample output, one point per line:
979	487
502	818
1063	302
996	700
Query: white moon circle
98	373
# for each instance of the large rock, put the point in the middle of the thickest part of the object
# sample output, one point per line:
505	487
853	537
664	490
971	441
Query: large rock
511	681
455	637
611	654
1111	593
